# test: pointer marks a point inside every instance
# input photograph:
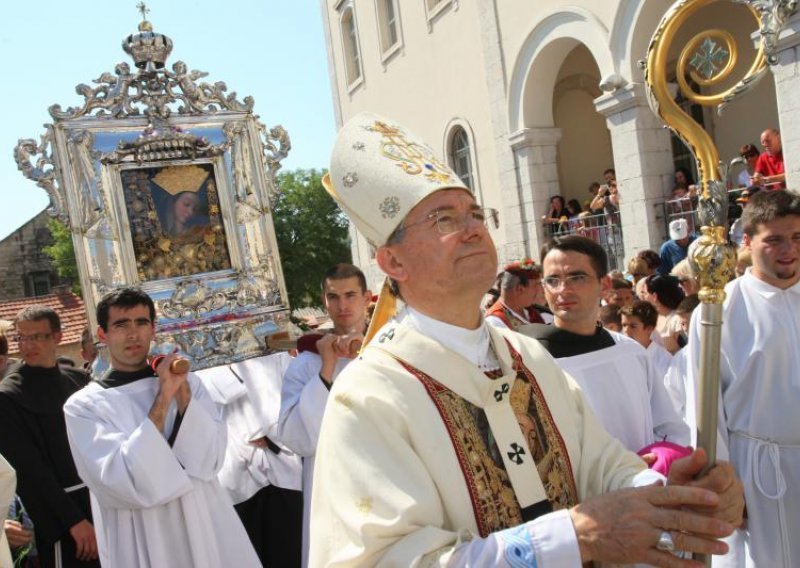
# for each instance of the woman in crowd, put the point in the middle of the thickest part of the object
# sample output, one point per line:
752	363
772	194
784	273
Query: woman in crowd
665	293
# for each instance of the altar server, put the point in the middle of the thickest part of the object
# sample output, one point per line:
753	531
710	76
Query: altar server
760	380
149	446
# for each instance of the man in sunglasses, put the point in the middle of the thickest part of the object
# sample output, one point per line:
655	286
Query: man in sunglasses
33	438
452	442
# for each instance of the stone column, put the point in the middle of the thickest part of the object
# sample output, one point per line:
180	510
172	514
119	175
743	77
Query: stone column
787	86
526	200
643	162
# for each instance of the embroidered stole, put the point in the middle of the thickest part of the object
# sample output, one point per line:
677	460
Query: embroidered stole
512	456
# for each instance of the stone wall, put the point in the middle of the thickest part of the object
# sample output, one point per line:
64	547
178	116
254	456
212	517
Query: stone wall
25	270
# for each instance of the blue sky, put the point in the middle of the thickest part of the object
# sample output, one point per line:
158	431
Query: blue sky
273	50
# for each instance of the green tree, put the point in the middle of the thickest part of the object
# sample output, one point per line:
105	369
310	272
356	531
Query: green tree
312	234
62	253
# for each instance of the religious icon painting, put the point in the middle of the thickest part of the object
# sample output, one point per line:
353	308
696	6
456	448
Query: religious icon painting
175	222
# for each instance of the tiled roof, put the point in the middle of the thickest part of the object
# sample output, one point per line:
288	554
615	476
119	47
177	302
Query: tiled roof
68	306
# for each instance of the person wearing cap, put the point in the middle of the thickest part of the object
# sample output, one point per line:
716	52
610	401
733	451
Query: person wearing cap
452	442
676	248
520	286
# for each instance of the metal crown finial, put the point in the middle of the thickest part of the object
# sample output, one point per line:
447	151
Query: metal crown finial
143	9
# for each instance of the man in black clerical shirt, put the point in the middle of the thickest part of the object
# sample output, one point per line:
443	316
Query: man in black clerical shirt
616	374
34	440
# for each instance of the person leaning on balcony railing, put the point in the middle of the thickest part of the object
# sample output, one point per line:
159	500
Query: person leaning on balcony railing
749	153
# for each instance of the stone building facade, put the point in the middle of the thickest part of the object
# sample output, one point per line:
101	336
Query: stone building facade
25	270
533	99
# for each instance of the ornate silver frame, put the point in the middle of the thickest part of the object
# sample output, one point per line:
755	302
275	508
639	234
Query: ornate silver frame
162	118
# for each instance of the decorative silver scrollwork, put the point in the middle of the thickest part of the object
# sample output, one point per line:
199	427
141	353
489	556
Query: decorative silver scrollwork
157	143
774	15
43	172
192	298
276	145
153	94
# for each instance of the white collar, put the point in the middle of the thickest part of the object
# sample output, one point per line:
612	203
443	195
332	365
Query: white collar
472	344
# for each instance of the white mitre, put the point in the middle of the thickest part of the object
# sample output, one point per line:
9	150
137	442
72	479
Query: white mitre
380	171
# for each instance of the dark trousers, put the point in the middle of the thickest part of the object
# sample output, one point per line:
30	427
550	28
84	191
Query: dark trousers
273	519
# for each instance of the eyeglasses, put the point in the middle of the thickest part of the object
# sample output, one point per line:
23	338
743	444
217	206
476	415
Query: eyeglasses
447	221
37	337
554	283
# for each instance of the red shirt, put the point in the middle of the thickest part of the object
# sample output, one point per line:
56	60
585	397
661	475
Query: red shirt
769	165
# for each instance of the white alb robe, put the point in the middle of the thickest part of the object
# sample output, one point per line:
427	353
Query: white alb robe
660	357
626	394
251	413
760	422
302	403
155	505
389	485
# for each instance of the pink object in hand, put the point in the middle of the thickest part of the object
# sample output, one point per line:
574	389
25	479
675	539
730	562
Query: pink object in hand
666	453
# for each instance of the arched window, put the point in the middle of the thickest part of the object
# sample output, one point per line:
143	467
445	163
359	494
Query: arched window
388	24
461	156
352	55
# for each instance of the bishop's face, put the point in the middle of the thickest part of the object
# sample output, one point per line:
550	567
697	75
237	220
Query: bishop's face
444	268
128	337
775	249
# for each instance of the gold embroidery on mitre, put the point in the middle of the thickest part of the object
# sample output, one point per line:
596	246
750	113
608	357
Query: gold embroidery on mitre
414	158
177	179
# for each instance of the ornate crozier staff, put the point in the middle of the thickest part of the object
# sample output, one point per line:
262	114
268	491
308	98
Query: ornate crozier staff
709	58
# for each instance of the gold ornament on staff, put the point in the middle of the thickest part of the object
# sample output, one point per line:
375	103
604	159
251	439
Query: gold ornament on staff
709	58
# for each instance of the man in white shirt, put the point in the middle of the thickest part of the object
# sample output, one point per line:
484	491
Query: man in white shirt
760	380
149	444
308	379
452	442
615	372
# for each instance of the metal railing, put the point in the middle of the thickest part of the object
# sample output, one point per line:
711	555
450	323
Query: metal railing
686	208
603	228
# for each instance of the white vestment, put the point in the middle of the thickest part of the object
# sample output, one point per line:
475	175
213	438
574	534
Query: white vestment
153	504
660	357
303	398
626	394
760	422
400	481
8	485
251	413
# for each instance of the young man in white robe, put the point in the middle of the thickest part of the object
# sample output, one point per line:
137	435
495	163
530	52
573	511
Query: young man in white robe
149	446
308	379
615	372
639	322
423	458
760	381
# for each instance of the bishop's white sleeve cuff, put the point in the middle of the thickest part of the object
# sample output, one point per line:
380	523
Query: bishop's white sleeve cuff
554	540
